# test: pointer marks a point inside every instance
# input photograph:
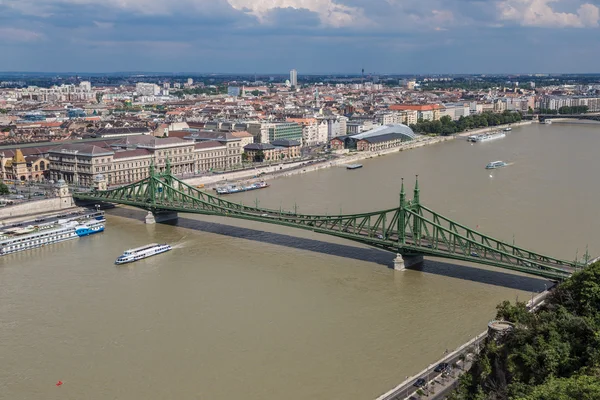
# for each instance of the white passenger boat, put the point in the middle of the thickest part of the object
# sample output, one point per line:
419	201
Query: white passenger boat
496	164
139	253
33	234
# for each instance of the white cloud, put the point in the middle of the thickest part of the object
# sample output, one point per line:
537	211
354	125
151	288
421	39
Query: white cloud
19	35
330	13
104	25
540	13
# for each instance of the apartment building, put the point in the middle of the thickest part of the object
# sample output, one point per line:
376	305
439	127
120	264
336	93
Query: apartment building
266	132
314	131
425	112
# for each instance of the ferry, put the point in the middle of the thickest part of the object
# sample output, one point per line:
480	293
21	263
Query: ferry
496	164
354	166
33	234
229	189
139	253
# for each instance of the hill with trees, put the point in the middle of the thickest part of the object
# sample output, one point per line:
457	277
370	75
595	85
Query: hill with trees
551	354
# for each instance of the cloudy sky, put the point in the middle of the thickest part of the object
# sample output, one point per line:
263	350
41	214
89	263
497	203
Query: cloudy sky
313	36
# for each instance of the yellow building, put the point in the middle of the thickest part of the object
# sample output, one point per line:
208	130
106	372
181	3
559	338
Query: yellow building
19	167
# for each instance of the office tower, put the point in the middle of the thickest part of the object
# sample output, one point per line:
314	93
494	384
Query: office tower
294	78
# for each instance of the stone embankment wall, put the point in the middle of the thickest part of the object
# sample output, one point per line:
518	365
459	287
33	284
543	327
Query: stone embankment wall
36	207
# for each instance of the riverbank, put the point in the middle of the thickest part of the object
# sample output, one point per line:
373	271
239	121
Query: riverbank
302	167
493	128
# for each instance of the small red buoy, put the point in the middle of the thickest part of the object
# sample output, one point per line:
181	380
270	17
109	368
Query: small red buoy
59	383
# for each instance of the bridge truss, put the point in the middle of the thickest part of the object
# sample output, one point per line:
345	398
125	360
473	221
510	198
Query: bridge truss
409	229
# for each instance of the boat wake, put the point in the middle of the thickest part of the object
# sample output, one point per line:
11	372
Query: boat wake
180	243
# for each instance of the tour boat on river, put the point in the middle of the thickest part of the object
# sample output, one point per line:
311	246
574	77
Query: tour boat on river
496	164
139	253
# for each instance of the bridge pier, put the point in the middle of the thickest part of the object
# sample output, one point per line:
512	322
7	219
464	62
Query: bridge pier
402	262
153	218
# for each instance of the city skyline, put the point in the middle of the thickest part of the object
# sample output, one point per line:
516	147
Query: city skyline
311	36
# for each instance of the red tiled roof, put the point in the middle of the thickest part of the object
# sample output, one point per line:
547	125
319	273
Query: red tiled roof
179	134
131	153
414	107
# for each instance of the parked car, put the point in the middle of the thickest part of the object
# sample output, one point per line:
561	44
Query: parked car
442	367
420	383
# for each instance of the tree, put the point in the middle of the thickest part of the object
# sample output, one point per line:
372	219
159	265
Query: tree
4	189
553	353
578	387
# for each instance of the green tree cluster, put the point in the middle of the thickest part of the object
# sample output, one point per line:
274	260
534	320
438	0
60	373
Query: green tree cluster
201	90
552	354
446	126
573	110
4	189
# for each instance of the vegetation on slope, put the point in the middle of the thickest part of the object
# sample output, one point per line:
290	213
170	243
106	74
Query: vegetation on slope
552	354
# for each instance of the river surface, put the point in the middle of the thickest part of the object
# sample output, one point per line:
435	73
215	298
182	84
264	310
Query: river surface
246	310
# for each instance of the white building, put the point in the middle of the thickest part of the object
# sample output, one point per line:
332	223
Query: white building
147	89
456	110
294	78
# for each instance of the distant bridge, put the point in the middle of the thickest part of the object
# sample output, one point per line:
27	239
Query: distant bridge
589	117
411	230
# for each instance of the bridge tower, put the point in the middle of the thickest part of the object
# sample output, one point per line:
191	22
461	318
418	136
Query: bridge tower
100	182
402	216
415	207
154	213
402	261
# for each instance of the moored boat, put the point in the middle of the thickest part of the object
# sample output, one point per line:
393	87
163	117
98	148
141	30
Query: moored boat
229	189
142	252
354	166
507	129
487	137
30	235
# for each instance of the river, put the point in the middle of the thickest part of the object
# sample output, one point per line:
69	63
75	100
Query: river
246	310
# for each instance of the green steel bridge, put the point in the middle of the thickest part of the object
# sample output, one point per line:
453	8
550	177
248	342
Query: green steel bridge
411	230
